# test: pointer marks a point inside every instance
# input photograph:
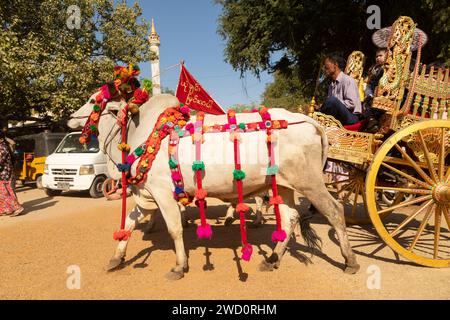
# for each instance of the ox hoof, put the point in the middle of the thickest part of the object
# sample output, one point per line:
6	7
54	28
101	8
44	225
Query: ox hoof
265	266
174	275
351	269
229	221
114	264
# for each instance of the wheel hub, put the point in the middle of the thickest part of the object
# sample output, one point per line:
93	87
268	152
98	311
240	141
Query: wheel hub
441	193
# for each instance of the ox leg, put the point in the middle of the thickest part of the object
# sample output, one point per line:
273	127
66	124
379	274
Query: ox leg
172	215
324	202
135	216
289	219
258	212
229	217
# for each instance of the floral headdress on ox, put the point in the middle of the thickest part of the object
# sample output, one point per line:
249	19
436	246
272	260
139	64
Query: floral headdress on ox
124	86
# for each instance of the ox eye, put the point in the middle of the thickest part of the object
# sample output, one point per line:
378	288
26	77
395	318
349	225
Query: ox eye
114	112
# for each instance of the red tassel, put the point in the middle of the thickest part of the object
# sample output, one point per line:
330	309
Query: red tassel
122	235
242	207
200	194
276	200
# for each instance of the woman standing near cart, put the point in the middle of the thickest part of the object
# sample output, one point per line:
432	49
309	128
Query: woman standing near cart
9	204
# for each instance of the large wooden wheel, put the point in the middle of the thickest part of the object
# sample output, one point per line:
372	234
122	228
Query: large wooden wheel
346	181
418	227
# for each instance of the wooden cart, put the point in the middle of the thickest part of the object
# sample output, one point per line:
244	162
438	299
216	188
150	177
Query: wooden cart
400	175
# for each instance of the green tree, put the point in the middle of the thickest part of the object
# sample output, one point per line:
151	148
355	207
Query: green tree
287	35
51	65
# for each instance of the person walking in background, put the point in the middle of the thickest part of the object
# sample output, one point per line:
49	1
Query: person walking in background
9	205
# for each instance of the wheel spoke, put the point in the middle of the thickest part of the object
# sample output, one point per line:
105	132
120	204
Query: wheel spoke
414	165
337	173
447	175
406	203
437	230
337	182
409	219
446	215
441	168
405	175
427	157
405	190
421	228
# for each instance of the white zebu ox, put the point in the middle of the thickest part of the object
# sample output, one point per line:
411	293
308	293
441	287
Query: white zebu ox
302	152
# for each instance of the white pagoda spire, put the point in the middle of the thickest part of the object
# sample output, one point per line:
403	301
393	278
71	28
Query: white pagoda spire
154	60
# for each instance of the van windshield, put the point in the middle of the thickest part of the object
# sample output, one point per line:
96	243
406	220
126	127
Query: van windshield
71	144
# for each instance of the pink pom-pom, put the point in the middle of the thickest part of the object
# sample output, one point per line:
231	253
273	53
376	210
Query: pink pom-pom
242	207
266	116
278	235
176	176
262	125
105	91
247	251
226	126
204	232
190	127
131	158
200	194
184	110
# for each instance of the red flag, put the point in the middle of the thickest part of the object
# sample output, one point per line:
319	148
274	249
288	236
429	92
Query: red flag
191	93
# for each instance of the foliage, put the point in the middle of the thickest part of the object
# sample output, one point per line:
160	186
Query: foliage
49	68
287	35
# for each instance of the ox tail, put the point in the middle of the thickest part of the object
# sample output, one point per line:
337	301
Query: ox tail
312	239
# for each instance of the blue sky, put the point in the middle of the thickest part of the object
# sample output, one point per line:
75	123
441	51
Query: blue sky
188	30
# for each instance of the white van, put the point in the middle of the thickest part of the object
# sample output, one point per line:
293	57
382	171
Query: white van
74	166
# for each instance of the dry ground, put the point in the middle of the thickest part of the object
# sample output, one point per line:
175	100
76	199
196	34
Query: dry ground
37	248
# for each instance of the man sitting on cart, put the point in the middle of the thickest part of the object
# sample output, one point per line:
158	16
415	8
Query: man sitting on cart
343	101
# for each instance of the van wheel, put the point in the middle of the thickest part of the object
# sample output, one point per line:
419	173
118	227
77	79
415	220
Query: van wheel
39	182
52	193
96	190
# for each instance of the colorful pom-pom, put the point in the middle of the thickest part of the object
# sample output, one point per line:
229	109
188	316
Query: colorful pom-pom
278	235
238	174
121	235
272	170
139	151
176	176
131	159
204	232
242	207
96	108
247	251
173	164
200	194
124	147
184	201
198	165
276	200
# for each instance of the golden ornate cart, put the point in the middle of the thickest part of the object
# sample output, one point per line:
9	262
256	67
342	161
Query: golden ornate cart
407	160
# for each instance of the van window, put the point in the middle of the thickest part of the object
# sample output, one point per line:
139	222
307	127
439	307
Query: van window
71	144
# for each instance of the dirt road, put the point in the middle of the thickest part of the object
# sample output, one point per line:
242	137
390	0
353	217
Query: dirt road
37	248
